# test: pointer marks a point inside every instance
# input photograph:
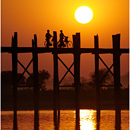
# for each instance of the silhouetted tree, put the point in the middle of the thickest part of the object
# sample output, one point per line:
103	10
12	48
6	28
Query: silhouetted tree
6	80
43	75
106	80
83	82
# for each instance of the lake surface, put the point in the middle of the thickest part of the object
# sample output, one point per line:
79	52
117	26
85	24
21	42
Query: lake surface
67	120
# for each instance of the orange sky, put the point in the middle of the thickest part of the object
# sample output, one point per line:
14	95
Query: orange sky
29	17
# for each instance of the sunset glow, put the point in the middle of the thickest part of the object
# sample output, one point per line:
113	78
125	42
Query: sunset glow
83	14
65	65
31	17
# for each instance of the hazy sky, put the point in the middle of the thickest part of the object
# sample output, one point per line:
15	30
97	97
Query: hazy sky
29	17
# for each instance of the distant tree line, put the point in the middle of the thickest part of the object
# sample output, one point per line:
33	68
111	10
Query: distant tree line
104	79
6	80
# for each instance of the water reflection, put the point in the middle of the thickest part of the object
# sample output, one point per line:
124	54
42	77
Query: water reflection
67	120
56	119
87	120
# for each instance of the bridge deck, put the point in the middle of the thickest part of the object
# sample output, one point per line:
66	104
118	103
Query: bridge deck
59	50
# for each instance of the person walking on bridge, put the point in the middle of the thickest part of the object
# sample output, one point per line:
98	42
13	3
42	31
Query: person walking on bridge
61	40
48	37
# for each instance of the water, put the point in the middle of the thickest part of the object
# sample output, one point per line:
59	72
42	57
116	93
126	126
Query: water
67	120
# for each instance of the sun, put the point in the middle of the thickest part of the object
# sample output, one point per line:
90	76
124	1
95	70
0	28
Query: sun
83	14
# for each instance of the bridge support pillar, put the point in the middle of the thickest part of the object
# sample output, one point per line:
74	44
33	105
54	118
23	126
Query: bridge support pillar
35	83
76	41
97	81
116	62
14	75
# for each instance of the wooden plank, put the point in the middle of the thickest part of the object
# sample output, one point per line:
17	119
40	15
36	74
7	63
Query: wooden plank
14	75
116	62
56	101
35	83
61	50
76	41
66	66
55	79
97	81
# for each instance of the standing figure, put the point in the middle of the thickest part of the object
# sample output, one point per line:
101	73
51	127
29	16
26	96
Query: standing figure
48	37
61	40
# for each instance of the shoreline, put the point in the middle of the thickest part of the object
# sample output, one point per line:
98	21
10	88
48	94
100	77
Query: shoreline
64	110
61	109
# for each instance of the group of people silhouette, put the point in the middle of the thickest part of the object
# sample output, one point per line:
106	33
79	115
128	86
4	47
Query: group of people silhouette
63	42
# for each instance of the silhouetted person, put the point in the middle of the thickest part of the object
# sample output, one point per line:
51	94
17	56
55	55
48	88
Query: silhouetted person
66	41
61	39
48	37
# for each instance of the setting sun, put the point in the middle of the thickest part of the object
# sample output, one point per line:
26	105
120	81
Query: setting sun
83	14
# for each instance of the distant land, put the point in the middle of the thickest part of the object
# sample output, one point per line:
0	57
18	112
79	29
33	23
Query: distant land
67	99
67	96
69	80
125	80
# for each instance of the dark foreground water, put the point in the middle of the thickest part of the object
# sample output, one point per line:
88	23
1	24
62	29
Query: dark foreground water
67	120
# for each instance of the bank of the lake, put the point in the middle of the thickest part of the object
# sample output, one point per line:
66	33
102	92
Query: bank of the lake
67	99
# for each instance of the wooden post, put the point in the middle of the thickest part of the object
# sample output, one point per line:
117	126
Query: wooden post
76	41
56	84
36	84
14	75
116	62
97	81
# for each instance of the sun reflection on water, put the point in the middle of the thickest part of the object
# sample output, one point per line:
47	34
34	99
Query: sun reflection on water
87	120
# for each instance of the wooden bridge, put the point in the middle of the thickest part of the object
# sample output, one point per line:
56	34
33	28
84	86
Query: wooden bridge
76	51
